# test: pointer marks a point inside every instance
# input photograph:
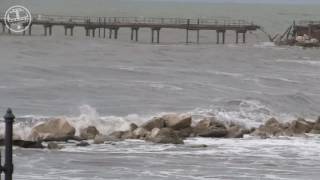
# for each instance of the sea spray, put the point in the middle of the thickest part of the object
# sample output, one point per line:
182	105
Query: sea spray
105	124
249	113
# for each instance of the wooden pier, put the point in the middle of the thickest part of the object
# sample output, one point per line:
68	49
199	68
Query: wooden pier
97	26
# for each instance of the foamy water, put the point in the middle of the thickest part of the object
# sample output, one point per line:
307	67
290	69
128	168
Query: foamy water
110	84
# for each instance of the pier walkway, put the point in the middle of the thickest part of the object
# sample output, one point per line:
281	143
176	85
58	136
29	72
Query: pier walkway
97	26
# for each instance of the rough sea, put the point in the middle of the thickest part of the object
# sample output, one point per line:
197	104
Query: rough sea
111	83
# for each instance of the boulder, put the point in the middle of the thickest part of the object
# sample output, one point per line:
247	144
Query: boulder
89	133
100	139
237	131
301	126
176	121
214	132
83	144
132	127
117	134
128	135
164	136
185	133
199	146
273	128
316	127
210	127
154	132
53	130
154	123
18	141
53	145
140	133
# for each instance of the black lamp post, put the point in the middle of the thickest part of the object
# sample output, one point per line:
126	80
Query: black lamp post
8	165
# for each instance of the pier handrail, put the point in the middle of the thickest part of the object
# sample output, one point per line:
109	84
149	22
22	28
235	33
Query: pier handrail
139	20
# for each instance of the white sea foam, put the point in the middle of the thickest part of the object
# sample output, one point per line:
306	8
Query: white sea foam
265	44
304	62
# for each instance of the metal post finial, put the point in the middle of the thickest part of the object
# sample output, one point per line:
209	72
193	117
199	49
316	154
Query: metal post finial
9	115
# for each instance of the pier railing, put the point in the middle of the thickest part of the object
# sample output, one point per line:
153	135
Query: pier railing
138	20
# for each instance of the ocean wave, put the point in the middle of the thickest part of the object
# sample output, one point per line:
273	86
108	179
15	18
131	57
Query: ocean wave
247	112
304	62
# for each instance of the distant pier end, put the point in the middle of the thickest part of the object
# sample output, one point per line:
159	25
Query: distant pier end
98	26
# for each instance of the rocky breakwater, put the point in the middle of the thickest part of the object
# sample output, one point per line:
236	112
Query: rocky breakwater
167	129
174	128
299	127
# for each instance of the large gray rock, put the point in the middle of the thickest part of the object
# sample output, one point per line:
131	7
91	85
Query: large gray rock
127	135
156	122
210	127
100	139
237	131
132	127
89	133
214	132
301	126
164	136
177	121
316	127
117	134
273	128
53	130
141	133
18	141
185	133
53	145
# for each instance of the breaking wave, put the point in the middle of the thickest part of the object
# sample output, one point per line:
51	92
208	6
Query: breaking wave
250	113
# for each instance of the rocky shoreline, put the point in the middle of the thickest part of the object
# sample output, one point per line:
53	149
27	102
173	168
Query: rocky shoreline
167	129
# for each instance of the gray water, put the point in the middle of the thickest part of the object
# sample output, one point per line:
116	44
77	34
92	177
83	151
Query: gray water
111	83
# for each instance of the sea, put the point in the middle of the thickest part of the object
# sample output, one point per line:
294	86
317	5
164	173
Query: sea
111	83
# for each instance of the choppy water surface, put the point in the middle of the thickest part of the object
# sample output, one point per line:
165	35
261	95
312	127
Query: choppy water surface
111	83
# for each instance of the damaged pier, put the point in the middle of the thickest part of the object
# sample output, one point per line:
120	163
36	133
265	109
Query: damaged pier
97	26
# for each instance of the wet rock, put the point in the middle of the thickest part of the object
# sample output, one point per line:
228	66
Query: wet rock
176	121
185	133
28	144
89	133
140	133
210	127
100	139
214	132
316	127
199	146
18	141
165	136
132	127
273	128
156	122
301	126
117	134
128	135
83	144
53	145
53	130
154	132
237	131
